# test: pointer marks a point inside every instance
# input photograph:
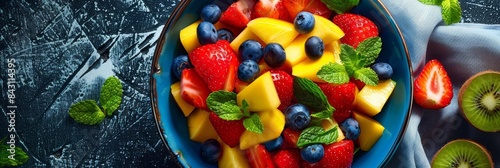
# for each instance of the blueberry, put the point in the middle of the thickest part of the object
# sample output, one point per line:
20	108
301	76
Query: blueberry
210	13
312	153
274	145
350	127
207	34
297	117
383	70
304	22
180	63
314	47
274	55
211	150
248	70
224	34
250	49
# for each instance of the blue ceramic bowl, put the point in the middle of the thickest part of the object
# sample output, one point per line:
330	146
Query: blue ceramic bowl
172	123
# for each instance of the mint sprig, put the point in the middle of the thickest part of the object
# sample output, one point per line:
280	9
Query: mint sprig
88	111
7	159
309	94
317	135
333	73
223	104
450	9
340	6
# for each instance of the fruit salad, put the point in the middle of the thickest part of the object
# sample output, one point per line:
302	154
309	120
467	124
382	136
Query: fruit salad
281	83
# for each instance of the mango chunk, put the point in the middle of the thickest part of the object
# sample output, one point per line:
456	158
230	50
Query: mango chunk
189	37
233	158
261	94
272	30
308	68
200	128
185	107
327	125
246	34
371	131
334	47
326	30
371	99
273	122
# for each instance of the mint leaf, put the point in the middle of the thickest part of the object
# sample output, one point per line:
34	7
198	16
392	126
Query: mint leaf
7	159
451	11
253	124
86	112
369	50
323	114
333	73
244	107
310	95
367	75
340	6
223	103
349	58
317	135
111	95
431	2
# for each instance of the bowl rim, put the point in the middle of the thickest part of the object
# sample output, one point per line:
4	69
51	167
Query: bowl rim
155	68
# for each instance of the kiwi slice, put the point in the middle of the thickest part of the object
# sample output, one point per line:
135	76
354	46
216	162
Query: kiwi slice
479	101
462	153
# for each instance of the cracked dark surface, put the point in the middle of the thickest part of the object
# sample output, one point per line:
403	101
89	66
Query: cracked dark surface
64	49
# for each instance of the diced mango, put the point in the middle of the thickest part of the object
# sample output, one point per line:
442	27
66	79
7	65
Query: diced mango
295	51
371	131
185	107
308	68
246	34
200	128
233	158
272	30
273	122
334	47
189	38
261	94
326	30
329	124
371	99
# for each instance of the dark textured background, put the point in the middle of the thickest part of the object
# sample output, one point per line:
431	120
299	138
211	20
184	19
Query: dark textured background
64	49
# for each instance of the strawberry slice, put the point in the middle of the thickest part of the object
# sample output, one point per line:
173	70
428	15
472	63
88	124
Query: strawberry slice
216	64
291	137
341	96
272	9
228	131
314	6
238	14
259	157
193	89
338	154
341	115
432	87
288	158
357	28
284	86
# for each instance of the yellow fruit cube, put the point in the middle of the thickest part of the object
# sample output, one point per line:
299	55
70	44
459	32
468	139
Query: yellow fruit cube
371	131
261	94
233	158
308	68
185	107
334	47
329	124
272	30
200	128
273	122
245	35
189	38
371	99
326	30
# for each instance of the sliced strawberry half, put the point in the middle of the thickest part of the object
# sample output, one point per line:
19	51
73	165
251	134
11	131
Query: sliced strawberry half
288	158
272	9
283	82
193	89
228	131
238	14
314	6
341	96
259	157
432	87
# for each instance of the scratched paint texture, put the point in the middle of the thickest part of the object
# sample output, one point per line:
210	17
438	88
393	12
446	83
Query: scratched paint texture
64	50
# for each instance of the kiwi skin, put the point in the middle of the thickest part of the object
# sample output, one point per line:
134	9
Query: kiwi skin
443	149
462	91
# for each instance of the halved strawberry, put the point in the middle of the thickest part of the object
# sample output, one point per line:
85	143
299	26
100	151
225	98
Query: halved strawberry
358	83
338	154
193	89
291	137
314	6
341	96
341	114
216	64
272	9
259	157
357	28
288	158
238	14
228	131
432	88
283	82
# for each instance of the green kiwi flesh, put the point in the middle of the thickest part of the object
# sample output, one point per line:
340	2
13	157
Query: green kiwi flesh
462	153
479	101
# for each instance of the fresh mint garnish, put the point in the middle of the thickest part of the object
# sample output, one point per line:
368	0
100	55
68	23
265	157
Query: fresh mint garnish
367	75
431	2
450	9
111	95
8	159
310	95
333	73
223	103
369	50
340	6
86	112
317	135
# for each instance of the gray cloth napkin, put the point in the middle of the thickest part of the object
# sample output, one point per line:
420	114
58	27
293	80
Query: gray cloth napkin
464	49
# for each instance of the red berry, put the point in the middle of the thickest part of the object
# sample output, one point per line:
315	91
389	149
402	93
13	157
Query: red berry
284	86
288	158
357	28
228	131
193	89
238	14
341	96
433	89
338	154
259	157
271	9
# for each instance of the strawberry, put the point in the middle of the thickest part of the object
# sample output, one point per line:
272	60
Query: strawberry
341	96
193	89
338	154
216	64
432	87
239	85
291	137
284	86
340	115
358	83
228	131
272	9
314	6
259	157
357	28
238	14
287	158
